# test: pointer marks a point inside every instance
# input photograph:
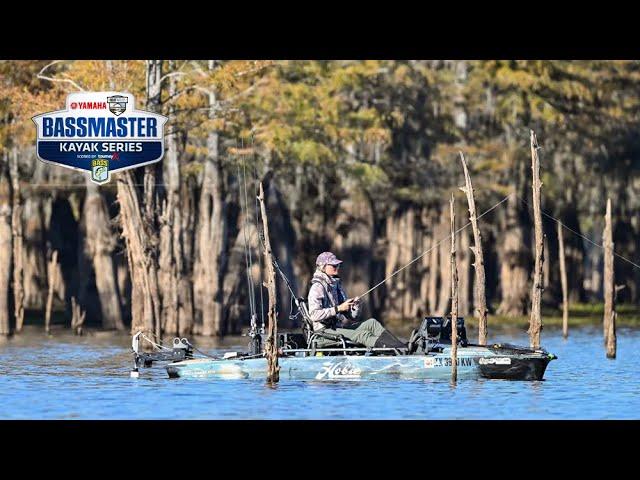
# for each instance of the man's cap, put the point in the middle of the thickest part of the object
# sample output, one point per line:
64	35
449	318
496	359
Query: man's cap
327	258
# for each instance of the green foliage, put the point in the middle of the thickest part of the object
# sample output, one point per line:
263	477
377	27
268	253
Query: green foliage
391	128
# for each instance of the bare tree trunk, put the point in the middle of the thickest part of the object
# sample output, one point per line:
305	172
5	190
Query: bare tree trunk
77	317
100	243
392	260
171	272
401	236
212	235
433	270
16	226
145	301
454	296
212	241
535	323
464	272
609	286
151	181
425	276
271	345
514	250
480	297
5	248
35	263
445	273
355	219
53	281
185	263
166	268
563	283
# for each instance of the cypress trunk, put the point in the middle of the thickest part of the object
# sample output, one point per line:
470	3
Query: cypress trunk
5	248
100	243
18	255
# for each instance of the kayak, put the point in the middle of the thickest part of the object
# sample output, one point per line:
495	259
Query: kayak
473	361
426	356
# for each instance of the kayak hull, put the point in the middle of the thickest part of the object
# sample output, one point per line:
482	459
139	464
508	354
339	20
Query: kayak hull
473	363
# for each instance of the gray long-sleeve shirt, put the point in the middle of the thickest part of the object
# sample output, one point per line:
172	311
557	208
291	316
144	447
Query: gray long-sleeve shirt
323	302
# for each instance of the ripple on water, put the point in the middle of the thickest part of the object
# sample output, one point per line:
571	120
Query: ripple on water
89	378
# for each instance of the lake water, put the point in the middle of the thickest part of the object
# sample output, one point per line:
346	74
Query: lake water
67	377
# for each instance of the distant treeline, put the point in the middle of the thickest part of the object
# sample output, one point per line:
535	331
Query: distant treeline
357	157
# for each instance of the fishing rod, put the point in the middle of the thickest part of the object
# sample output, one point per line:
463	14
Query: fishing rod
253	332
432	247
276	265
579	235
479	217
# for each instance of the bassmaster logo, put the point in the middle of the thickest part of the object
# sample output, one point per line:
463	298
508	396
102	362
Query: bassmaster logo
100	133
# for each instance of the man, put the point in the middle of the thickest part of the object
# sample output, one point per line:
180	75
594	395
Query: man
332	312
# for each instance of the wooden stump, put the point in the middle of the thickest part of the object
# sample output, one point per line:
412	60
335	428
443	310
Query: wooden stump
454	296
53	281
535	323
609	286
77	317
563	282
480	297
271	345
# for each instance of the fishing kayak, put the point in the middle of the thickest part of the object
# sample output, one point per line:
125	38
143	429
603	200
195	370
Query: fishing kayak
427	355
474	361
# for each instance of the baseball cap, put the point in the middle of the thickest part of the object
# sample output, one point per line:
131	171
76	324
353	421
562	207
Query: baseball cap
327	258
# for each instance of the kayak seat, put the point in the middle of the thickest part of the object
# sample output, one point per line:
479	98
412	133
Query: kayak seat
312	337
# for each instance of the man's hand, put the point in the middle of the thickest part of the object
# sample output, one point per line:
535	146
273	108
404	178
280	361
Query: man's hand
346	305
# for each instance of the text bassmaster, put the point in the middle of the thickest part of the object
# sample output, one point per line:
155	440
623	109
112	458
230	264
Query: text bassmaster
100	127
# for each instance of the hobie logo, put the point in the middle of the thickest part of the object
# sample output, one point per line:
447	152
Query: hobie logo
341	370
100	133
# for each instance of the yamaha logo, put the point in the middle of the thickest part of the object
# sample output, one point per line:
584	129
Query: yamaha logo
100	133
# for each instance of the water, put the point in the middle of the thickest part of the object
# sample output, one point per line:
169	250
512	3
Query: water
68	377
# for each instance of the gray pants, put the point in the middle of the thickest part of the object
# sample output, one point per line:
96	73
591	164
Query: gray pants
365	333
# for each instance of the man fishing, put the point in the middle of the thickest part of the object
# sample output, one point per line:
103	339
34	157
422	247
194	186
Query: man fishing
332	312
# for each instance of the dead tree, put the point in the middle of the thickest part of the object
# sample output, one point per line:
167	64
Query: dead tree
16	227
77	317
5	248
177	301
53	281
138	222
454	296
100	243
464	272
445	272
212	233
563	283
609	286
145	299
535	323
433	268
480	297
271	345
153	178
